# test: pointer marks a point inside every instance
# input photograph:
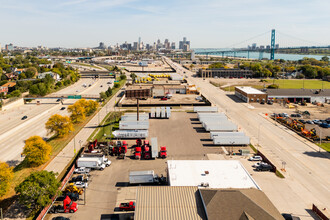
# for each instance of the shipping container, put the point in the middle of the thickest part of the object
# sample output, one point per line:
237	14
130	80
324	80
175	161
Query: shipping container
168	112
205	109
154	147
157	112
141	177
214	134
215	118
221	127
234	140
162	112
127	134
210	114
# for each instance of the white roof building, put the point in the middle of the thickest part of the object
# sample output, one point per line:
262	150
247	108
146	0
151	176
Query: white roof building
209	173
249	90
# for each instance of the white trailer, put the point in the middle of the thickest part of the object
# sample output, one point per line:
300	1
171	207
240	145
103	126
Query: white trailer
134	125
154	147
134	118
168	112
128	134
141	177
215	121
88	162
233	140
214	134
162	112
205	109
221	127
157	112
216	118
153	113
101	158
209	114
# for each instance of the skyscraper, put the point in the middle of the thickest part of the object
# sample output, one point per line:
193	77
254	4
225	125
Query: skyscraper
184	42
139	45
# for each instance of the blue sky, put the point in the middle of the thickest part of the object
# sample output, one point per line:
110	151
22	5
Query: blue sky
207	23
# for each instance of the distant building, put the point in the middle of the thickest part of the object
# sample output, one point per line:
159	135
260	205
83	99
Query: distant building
226	73
262	47
186	48
102	46
135	46
55	76
249	94
184	42
254	46
192	55
173	46
298	95
9	47
7	88
277	46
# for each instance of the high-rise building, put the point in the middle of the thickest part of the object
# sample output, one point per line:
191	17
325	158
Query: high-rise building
254	46
102	46
186	47
173	46
139	45
184	42
277	46
135	46
9	47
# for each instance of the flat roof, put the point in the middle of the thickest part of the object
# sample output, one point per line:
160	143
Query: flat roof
167	202
221	174
249	90
299	92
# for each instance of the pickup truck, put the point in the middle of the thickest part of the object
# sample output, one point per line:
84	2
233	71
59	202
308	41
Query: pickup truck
127	206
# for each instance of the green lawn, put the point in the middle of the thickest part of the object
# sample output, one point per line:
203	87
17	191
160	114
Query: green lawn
300	83
325	146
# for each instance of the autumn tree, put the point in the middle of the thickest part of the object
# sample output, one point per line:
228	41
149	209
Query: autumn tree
36	151
6	176
77	112
60	125
37	189
89	106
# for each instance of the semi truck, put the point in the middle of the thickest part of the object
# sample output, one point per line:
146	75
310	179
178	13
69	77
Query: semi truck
68	206
145	177
90	162
99	156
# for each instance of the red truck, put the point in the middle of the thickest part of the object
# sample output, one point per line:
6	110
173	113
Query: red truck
127	206
163	152
146	150
137	153
68	206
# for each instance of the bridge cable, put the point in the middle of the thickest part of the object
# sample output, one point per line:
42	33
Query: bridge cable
231	46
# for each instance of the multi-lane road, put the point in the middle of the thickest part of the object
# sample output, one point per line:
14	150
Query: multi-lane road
307	171
14	130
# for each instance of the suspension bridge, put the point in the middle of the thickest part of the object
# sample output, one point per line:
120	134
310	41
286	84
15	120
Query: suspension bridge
272	48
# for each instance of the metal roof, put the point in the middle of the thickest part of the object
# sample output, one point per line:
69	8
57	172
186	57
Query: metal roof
249	90
221	174
168	202
298	92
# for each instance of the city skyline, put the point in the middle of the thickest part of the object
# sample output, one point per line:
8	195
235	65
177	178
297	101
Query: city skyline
85	23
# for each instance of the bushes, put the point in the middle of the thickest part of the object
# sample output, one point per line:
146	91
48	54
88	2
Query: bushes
116	85
6	176
272	86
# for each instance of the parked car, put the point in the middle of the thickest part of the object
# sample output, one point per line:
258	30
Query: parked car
109	82
73	196
316	121
269	102
128	206
287	216
259	163
296	115
163	98
24	117
325	125
309	122
285	115
60	218
255	158
82	170
264	167
58	100
62	108
81	184
101	85
79	178
302	121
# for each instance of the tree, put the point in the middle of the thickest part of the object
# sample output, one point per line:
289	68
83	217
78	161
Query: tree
216	65
91	107
15	93
6	176
103	95
116	85
60	125
122	77
77	112
133	76
31	72
37	189
325	59
38	89
36	151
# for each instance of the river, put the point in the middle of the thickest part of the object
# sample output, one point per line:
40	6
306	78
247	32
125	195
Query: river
257	55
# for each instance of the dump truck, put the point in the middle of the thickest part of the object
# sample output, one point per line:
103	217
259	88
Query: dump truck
68	206
145	177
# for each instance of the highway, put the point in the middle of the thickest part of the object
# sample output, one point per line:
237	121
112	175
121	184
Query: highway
307	171
14	130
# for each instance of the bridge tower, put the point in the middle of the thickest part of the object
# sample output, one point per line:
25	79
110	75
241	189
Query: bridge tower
272	45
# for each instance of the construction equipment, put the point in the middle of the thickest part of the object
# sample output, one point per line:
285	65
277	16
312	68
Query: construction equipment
310	134
163	152
327	138
68	206
73	189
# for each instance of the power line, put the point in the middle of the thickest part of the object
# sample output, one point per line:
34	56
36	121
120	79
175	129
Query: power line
249	39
